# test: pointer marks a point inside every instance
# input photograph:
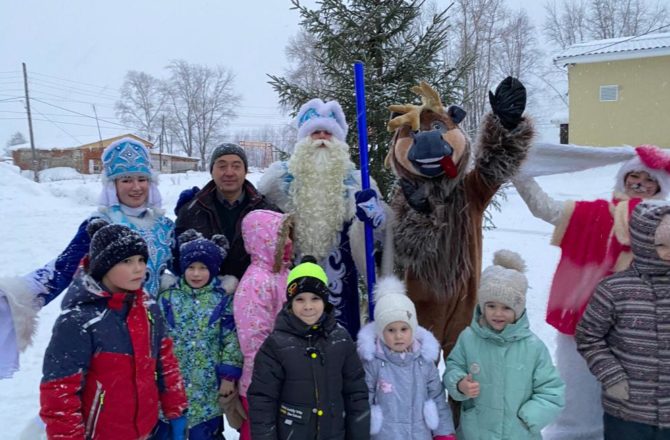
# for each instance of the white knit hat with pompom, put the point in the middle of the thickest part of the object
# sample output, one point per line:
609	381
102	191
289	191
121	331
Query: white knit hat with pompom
504	282
392	304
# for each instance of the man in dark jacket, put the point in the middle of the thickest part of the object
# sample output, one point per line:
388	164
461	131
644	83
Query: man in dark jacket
221	205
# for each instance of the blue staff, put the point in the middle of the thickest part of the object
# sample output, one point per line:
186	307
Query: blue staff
359	83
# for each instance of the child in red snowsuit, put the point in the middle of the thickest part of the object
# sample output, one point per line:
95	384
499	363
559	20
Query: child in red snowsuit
109	365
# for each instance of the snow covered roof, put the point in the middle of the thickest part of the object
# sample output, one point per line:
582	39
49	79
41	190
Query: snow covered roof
66	144
614	49
177	156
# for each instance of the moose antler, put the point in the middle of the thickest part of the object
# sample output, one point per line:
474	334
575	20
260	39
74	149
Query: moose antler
429	97
411	114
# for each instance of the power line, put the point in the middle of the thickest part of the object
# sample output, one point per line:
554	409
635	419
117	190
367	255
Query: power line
78	113
60	97
77	124
42	83
61	115
58	126
69	80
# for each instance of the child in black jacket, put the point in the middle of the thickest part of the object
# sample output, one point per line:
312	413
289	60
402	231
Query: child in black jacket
308	382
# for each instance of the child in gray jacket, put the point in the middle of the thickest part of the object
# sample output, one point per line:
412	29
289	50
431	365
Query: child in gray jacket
407	399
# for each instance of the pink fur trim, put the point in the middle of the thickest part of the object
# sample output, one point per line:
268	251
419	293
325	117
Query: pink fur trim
654	157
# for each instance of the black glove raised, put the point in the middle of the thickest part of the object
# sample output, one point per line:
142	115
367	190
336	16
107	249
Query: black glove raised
509	102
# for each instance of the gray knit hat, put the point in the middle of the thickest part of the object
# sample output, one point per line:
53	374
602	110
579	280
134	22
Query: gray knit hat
228	148
504	282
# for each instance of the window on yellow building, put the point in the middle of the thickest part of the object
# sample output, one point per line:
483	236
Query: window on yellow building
609	93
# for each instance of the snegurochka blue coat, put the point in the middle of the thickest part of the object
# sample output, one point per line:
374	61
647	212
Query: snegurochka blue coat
520	389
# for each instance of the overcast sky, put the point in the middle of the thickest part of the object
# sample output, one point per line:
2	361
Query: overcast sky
78	51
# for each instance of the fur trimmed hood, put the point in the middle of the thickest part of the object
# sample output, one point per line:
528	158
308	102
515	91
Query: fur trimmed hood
369	345
423	413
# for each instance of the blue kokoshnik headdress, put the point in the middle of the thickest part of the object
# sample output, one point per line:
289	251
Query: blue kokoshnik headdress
127	157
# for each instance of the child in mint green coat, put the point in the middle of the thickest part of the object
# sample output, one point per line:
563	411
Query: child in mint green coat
498	368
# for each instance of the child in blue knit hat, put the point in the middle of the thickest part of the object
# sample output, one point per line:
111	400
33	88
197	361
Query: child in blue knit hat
199	311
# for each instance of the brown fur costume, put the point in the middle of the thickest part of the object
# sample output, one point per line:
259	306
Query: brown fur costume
438	231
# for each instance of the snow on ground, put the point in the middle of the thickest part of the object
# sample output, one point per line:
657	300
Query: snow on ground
38	220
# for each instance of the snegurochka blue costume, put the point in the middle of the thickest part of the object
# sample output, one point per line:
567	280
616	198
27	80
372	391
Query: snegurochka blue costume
129	197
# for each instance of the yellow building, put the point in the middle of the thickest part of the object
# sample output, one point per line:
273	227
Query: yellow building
619	91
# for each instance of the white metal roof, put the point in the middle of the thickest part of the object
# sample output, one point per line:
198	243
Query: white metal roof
614	49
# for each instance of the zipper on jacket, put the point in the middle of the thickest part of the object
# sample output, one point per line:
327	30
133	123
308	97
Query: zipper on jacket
96	409
316	389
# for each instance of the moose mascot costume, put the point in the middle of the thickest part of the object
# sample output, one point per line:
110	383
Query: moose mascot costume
441	198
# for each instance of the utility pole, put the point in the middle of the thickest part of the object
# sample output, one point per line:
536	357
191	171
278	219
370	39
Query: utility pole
160	148
30	122
95	112
97	123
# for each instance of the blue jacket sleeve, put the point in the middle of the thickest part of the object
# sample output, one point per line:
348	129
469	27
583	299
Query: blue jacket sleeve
51	279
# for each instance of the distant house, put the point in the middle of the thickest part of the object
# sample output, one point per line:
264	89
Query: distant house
86	158
619	90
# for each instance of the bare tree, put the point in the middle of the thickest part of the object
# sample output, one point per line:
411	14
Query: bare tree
485	39
574	21
202	102
142	103
565	22
622	18
302	54
517	53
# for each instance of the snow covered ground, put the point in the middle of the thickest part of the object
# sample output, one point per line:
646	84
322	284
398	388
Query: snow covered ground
38	220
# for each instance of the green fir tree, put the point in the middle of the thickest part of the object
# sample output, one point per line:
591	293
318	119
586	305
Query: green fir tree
399	43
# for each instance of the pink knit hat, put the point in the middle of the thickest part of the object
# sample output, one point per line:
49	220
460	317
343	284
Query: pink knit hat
654	161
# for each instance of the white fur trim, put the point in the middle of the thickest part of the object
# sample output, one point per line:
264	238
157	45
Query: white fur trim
635	164
367	343
546	159
24	307
318	115
376	419
430	348
272	185
229	283
167	280
430	414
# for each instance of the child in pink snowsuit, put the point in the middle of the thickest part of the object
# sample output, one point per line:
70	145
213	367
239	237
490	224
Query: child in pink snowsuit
262	289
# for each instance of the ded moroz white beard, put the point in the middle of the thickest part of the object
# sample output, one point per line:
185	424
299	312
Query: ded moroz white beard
318	194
